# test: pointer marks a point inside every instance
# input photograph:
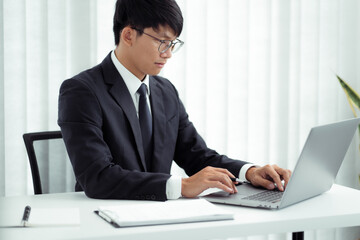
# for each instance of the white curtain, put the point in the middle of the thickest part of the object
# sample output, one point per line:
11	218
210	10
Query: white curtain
254	75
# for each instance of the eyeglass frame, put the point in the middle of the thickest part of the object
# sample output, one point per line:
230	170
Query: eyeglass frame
172	42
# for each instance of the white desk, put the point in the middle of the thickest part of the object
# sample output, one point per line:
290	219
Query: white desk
339	207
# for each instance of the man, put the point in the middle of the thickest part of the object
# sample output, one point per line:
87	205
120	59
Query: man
123	125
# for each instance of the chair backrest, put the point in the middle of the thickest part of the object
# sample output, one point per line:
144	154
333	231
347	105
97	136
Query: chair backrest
50	167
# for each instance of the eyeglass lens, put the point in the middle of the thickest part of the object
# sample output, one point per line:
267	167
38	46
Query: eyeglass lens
166	45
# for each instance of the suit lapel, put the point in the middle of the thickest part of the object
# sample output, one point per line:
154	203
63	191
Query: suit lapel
159	121
121	94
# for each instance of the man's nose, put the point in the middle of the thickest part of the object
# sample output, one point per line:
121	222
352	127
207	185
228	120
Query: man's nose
167	53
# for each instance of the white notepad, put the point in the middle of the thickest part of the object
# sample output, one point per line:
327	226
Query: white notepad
169	212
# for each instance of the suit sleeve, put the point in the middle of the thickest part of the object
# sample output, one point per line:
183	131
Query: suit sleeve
81	123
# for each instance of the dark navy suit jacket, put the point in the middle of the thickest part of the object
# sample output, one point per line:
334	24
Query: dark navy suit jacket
102	135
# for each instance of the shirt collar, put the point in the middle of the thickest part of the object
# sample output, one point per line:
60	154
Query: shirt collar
131	81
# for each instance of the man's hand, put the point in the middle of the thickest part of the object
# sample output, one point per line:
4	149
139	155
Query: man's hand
208	177
267	176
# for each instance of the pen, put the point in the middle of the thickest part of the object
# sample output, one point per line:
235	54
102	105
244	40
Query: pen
235	180
26	216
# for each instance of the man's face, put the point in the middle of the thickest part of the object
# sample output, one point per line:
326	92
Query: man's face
145	57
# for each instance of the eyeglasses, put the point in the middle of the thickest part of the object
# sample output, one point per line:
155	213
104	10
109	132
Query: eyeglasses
174	45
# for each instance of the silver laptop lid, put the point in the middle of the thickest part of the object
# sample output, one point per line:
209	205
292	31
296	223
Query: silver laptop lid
320	161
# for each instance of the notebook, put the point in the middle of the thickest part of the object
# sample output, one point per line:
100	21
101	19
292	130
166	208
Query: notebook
169	212
314	173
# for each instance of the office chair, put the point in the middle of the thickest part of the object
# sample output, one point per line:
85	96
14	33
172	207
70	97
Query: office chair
50	168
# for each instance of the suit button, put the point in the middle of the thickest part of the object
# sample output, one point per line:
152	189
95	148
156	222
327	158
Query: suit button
153	197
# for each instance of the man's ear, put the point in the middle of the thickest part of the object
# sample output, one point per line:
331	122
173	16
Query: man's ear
128	35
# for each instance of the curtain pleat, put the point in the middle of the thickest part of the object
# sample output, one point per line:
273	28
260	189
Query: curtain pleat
2	120
254	76
15	70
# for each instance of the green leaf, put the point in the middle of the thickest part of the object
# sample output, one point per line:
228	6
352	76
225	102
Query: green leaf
352	96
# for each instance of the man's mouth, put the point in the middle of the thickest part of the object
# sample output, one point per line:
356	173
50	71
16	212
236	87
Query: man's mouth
160	65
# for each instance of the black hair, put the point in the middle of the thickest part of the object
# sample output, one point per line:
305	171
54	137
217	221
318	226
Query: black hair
142	14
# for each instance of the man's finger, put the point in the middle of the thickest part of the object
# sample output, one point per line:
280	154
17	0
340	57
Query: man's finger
274	175
225	171
224	179
285	174
268	184
220	185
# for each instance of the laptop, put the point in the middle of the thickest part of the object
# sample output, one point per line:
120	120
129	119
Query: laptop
314	173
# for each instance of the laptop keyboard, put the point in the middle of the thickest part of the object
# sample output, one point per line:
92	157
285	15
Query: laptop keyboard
266	196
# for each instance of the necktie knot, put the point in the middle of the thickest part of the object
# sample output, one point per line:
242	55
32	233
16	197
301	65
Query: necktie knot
142	90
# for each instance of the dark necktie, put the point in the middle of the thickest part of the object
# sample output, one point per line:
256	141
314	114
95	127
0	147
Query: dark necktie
145	124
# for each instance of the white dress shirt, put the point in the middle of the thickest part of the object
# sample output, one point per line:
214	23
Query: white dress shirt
173	185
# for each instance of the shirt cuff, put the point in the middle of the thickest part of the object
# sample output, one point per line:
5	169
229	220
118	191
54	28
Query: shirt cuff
243	171
173	187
